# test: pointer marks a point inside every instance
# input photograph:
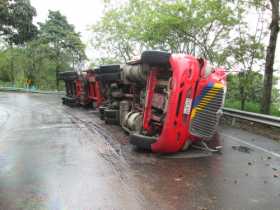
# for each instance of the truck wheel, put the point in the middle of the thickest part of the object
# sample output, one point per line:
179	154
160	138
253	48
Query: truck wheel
108	77
112	121
68	75
111	113
155	58
101	112
108	69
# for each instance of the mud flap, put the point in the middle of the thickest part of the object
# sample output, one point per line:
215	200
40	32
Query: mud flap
141	141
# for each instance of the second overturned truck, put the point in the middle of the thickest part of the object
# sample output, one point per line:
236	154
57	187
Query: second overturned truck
164	101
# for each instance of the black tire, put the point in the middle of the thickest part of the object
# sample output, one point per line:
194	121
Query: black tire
69	99
108	69
101	112
108	77
69	103
111	113
87	105
68	75
112	121
73	104
155	58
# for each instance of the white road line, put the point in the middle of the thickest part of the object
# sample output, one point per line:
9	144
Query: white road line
252	145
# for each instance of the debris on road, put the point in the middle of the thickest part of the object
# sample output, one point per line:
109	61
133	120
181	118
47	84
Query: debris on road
242	149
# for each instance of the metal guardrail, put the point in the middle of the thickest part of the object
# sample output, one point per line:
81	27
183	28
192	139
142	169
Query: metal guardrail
253	117
12	89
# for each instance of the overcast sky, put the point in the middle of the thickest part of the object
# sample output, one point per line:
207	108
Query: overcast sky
81	13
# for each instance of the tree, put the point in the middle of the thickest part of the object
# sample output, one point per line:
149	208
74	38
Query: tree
63	41
16	21
112	37
197	27
221	31
246	52
36	54
56	47
16	25
270	55
251	90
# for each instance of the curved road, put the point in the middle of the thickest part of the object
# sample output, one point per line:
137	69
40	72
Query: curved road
56	157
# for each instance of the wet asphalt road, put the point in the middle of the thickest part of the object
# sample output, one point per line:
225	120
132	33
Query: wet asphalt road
60	158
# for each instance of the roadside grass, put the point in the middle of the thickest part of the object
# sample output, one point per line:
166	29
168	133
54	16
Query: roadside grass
251	107
41	87
6	84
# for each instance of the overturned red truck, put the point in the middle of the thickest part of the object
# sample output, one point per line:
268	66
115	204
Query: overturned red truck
164	101
81	89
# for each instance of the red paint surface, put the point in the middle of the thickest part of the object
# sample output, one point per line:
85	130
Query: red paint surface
94	93
186	73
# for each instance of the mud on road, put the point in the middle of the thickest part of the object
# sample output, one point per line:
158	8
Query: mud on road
56	157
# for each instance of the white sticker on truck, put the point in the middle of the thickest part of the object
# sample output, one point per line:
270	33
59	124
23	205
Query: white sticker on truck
188	106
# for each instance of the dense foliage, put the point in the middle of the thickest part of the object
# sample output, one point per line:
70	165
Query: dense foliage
16	21
35	59
196	27
217	30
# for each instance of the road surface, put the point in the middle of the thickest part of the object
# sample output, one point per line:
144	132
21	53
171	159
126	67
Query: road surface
56	157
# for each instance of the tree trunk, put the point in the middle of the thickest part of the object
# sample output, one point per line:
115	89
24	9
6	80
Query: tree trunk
57	65
242	106
57	79
242	94
243	98
269	61
12	63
